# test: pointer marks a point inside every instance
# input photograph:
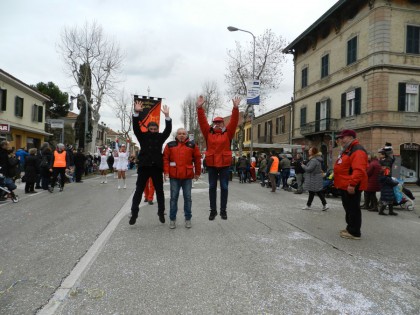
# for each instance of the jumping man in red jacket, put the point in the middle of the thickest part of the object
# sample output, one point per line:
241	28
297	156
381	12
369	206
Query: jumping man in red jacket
182	164
218	154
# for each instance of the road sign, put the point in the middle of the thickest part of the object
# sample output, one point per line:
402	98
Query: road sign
253	94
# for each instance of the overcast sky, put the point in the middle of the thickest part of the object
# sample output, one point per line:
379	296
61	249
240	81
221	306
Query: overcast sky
173	47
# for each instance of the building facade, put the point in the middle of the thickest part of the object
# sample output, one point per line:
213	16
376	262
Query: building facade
22	113
358	67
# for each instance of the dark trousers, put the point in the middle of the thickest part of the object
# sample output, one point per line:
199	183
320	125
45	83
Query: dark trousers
144	173
272	178
29	187
285	173
351	204
78	173
221	173
62	172
320	194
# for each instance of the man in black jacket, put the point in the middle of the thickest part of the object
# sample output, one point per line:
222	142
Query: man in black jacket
150	160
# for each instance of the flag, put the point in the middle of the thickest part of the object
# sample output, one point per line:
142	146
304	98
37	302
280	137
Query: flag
151	111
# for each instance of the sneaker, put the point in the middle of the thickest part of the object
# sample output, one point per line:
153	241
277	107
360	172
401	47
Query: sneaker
132	220
213	214
346	234
125	186
325	207
223	215
172	224
306	207
150	202
105	182
161	218
188	224
119	187
342	231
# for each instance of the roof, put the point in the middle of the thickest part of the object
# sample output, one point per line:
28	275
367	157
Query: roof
335	7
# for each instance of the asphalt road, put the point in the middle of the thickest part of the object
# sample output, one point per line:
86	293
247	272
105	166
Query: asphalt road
74	253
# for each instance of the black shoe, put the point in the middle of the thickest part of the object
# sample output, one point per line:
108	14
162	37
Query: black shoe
223	215
145	200
132	220
161	217
213	214
150	202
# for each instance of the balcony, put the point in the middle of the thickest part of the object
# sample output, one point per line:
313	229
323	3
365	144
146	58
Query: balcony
319	126
265	139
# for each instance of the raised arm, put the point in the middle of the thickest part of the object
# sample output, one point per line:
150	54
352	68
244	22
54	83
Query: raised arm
201	115
138	107
168	123
234	118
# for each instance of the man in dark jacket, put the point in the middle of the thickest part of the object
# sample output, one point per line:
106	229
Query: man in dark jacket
150	164
299	171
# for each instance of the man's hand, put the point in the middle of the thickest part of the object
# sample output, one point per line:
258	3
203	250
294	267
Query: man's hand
138	106
236	101
165	110
200	101
351	190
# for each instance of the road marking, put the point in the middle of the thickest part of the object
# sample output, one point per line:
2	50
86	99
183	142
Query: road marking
61	294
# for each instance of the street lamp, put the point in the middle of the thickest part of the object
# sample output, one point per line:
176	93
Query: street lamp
234	29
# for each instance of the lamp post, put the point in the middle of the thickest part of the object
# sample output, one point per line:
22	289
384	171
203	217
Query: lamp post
234	29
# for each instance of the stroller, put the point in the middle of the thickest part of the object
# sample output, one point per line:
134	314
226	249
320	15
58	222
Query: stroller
291	180
403	197
328	184
6	189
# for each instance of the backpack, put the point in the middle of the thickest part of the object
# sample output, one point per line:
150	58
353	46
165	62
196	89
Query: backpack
44	162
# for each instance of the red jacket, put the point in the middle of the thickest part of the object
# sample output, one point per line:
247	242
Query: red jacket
218	152
374	172
350	168
178	158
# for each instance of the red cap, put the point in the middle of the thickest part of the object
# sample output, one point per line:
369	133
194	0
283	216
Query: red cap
346	132
218	119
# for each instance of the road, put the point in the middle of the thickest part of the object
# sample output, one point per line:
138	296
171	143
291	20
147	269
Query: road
74	253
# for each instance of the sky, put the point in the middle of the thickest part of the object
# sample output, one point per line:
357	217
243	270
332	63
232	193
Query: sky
171	47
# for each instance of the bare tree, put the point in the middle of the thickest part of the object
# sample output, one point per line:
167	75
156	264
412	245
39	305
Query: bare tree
268	61
122	108
93	61
213	99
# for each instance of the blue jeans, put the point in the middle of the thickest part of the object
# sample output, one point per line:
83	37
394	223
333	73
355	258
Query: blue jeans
221	173
176	185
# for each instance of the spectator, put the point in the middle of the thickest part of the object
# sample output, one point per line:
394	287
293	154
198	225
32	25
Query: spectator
273	169
285	170
373	172
58	166
31	171
46	159
299	171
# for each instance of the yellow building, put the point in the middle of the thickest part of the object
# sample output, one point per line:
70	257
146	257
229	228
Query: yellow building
22	113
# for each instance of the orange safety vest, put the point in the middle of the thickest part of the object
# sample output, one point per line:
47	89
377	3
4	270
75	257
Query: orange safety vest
275	165
60	159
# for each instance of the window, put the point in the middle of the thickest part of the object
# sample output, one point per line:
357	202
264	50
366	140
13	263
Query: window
3	100
408	97
305	77
37	113
280	127
352	50
303	116
19	106
413	39
351	103
323	115
324	66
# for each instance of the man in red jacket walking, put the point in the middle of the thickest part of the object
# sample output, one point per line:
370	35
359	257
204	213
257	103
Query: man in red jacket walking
350	177
178	159
218	154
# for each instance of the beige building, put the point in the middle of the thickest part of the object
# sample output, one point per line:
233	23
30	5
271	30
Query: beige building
358	67
22	113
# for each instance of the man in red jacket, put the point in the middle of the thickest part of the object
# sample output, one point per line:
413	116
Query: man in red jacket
218	154
350	177
178	159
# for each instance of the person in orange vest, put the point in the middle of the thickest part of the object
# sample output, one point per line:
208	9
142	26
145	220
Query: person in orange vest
178	159
273	169
149	191
58	165
218	154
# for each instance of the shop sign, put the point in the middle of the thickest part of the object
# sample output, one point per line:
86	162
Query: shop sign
411	146
4	128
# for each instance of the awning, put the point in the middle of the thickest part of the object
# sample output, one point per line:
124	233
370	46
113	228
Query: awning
25	128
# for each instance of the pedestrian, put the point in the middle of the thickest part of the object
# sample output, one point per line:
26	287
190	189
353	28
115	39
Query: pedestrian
20	155
299	173
386	161
218	154
122	165
314	178
150	160
262	170
273	169
31	171
285	170
46	160
79	164
103	166
373	172
181	164
350	177
58	166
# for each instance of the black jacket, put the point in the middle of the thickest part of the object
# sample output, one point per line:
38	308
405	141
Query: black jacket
31	168
151	144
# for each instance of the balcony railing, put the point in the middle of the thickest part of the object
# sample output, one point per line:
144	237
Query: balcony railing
319	126
265	139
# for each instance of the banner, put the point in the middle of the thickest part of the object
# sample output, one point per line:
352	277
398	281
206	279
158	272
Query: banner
151	111
253	93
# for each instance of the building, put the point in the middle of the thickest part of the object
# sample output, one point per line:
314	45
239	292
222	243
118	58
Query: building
357	67
22	113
